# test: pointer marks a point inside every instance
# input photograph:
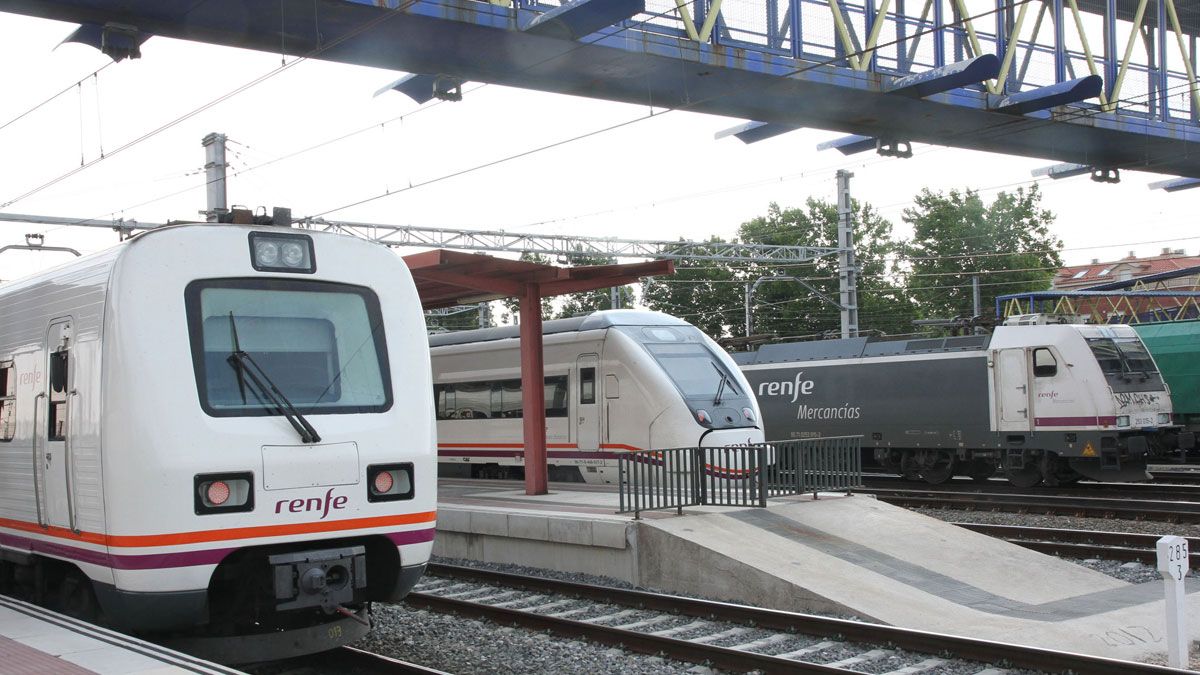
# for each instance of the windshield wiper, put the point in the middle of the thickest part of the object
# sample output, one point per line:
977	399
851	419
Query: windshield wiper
720	387
241	362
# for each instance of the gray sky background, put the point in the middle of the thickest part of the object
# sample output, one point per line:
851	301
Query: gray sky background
661	177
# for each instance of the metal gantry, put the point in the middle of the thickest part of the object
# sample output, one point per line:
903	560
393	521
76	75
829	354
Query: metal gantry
1107	84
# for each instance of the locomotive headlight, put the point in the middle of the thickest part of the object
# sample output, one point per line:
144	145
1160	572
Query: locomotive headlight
266	253
389	482
1123	421
1164	418
748	414
284	252
702	417
223	492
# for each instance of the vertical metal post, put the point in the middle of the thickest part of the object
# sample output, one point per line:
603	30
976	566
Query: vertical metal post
214	176
1060	44
533	391
747	299
939	35
1162	82
977	300
1110	47
761	451
485	315
614	297
797	8
847	267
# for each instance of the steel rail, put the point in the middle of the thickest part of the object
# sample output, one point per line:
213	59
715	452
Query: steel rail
1127	509
1123	546
361	662
854	631
1156	491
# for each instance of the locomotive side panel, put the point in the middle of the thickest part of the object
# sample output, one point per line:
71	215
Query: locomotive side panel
930	402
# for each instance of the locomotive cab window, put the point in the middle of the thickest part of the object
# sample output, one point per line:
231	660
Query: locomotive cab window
320	344
8	390
1044	363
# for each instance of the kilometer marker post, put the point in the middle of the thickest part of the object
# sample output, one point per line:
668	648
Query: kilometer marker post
1173	563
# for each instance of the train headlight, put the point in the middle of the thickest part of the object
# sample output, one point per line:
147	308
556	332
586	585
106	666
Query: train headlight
1164	418
271	252
223	493
1123	421
389	482
702	417
748	414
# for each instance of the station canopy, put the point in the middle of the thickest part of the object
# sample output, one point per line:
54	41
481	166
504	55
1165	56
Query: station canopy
447	278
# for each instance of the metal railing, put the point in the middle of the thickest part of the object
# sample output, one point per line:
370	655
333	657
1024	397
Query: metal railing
743	475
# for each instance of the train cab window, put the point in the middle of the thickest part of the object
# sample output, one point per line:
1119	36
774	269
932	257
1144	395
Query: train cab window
1044	363
57	417
587	385
322	344
8	387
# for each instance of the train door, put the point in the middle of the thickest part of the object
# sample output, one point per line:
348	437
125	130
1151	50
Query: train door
55	460
587	409
1012	390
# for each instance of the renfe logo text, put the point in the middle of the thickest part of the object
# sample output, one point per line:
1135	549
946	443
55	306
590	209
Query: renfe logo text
795	388
322	504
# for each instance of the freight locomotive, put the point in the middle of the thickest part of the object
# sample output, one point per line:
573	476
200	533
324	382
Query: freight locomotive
198	438
615	381
1044	404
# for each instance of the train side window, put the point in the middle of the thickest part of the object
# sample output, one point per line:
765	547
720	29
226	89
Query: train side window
1044	363
587	385
8	387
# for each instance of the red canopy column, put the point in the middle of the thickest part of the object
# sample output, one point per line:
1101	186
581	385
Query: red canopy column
533	399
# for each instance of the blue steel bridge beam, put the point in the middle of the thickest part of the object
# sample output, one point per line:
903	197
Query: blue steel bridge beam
651	61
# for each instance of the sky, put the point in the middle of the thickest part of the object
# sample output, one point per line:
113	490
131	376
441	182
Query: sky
665	177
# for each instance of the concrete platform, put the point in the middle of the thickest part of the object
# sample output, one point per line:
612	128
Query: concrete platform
36	641
851	555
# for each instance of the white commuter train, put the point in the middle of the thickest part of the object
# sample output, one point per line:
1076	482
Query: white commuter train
199	430
615	381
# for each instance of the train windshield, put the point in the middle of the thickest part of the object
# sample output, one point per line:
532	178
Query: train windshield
1122	356
692	366
321	344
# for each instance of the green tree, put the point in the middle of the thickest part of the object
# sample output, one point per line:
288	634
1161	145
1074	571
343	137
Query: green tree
705	293
1007	244
786	308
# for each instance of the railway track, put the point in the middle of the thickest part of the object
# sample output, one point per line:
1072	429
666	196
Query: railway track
343	661
1059	505
1154	490
1083	543
724	635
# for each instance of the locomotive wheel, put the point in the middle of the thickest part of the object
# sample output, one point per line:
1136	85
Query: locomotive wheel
1027	476
980	469
909	468
937	466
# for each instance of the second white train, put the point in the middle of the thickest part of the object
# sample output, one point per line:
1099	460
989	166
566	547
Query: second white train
615	381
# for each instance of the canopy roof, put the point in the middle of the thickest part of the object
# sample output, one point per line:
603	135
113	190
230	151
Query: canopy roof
447	278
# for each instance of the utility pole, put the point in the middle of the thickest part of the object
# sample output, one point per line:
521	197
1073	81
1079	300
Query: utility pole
847	267
975	296
214	175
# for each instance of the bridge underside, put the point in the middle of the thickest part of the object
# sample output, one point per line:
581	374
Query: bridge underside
780	82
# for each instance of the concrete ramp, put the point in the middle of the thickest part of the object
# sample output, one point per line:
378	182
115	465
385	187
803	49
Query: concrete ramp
860	557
